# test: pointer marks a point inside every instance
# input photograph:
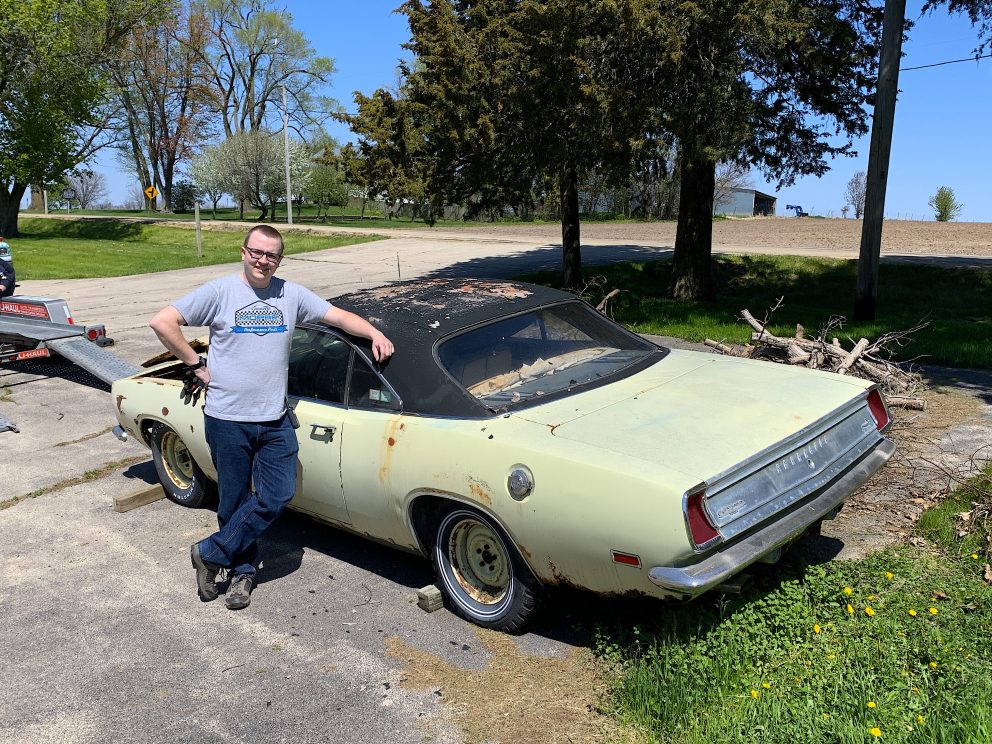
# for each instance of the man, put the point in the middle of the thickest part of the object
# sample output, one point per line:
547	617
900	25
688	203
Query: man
7	277
251	316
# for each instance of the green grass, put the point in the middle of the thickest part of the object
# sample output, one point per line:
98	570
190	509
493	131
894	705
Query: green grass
347	217
798	658
957	303
71	249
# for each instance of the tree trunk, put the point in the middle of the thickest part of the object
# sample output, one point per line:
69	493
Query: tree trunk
571	247
10	204
37	198
692	277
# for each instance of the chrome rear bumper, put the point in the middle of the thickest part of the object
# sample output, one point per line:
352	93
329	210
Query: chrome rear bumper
728	560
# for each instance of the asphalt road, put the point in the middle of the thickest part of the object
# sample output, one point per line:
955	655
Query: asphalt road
103	638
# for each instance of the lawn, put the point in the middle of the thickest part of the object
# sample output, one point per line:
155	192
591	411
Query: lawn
893	647
71	249
957	303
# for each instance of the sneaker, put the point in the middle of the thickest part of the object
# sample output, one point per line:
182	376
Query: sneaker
206	574
239	592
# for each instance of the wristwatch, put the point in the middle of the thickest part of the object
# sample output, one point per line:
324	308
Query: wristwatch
202	362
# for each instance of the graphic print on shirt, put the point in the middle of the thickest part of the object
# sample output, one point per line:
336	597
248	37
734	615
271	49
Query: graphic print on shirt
259	318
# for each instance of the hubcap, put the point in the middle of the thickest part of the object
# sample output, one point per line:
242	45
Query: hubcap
177	460
479	562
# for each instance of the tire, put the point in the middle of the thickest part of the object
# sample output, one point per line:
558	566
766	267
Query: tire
183	480
482	578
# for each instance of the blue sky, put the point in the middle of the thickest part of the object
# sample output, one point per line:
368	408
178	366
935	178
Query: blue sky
942	126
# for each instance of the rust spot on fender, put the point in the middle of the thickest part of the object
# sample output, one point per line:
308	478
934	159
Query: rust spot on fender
391	441
479	491
120	401
524	552
165	411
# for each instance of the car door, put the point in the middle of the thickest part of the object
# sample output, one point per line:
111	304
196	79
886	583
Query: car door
318	376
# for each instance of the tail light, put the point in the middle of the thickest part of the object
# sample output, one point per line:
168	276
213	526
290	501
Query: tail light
701	530
68	319
92	335
879	411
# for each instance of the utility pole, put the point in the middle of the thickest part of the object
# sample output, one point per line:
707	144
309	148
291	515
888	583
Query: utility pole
285	133
878	159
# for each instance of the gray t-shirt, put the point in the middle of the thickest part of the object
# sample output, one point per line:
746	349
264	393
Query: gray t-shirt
250	334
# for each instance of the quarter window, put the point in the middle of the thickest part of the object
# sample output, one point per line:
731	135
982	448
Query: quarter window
318	366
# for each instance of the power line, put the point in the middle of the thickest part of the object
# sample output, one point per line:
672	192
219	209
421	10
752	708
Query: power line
949	62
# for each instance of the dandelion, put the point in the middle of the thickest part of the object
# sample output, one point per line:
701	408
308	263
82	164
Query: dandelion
933	610
933	664
869	611
871	597
754	694
871	704
848	590
850	610
889	575
915	689
919	719
767	685
912	613
826	716
974	556
875	731
816	628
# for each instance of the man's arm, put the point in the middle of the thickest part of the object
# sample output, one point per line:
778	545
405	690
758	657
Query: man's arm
382	347
167	324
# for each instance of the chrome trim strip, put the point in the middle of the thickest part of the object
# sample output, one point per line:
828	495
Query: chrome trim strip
727	561
795	441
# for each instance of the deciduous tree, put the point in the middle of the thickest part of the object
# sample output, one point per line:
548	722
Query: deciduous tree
53	55
90	187
854	194
205	169
254	52
164	108
944	205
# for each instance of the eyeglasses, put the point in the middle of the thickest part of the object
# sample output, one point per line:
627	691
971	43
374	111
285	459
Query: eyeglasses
258	255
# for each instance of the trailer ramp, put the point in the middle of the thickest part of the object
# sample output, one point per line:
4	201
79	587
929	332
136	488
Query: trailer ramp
101	364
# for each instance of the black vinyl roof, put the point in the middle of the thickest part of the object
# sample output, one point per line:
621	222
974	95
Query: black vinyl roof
416	314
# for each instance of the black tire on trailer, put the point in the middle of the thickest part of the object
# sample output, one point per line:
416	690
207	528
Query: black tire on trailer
480	573
183	480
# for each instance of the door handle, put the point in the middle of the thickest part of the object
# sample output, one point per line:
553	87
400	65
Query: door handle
321	431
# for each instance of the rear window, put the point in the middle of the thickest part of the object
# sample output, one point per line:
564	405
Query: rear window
539	353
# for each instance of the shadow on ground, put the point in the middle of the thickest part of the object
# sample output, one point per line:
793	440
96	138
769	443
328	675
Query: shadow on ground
546	258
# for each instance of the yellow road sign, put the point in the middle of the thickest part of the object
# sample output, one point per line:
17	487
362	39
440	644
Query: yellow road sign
151	192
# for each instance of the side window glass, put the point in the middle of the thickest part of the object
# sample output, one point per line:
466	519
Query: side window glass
367	389
318	366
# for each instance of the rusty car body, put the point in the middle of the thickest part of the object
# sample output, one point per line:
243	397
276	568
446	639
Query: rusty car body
520	440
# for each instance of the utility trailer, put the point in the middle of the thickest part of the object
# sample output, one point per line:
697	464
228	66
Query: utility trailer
33	327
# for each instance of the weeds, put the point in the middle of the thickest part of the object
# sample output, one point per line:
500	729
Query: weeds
892	646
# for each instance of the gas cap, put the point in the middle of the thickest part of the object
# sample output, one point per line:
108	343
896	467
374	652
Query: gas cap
520	482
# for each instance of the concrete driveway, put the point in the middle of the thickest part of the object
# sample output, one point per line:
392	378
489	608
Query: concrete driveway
103	636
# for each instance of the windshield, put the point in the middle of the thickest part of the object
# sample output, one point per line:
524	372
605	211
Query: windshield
539	353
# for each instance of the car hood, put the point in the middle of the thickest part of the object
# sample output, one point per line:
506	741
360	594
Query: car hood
698	413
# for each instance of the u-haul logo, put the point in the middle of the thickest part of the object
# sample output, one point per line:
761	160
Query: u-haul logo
28	311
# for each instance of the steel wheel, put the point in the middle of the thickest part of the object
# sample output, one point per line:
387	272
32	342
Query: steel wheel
183	480
483	578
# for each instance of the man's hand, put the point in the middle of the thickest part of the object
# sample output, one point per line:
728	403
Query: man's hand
382	347
195	382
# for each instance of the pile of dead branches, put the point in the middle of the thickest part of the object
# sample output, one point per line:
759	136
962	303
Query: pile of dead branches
866	359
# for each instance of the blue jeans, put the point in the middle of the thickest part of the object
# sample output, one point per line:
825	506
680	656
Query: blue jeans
260	453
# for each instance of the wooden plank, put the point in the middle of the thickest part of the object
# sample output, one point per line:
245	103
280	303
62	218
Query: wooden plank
147	495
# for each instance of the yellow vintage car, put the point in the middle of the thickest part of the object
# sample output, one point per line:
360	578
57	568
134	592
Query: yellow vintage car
521	440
